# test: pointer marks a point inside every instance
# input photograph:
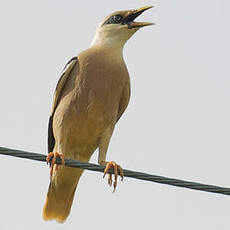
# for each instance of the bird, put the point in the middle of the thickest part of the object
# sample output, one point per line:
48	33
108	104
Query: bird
90	97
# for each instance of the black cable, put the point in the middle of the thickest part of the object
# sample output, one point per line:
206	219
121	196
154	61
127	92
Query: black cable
127	173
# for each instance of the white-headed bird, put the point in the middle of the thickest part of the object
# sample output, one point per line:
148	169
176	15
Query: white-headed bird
91	96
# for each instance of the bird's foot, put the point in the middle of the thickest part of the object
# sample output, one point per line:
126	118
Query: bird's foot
117	171
52	162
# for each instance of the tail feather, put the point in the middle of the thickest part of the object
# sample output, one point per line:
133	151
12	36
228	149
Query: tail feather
60	195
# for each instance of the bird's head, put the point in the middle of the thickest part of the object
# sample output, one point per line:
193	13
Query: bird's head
118	27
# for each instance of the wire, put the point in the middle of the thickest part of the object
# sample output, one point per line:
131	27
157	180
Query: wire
127	173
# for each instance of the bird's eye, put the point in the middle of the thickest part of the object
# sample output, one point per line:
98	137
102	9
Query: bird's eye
115	19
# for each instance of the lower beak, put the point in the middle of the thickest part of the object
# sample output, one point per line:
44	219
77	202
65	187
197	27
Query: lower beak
139	24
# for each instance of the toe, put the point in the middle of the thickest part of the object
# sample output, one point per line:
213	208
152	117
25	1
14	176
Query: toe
115	177
49	156
107	167
121	172
110	180
61	155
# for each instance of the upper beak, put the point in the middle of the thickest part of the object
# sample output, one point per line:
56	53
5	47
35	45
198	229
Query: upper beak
129	20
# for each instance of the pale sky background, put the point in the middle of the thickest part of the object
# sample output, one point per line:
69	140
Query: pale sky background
177	123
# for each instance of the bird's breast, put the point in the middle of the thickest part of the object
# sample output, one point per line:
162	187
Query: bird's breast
92	104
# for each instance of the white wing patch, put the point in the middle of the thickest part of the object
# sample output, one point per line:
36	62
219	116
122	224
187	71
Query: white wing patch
68	64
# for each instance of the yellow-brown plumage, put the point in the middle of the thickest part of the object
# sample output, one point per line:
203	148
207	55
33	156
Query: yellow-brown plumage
90	97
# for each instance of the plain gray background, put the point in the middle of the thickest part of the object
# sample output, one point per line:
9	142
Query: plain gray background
177	123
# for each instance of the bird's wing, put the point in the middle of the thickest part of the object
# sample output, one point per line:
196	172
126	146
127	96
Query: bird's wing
124	101
61	83
57	96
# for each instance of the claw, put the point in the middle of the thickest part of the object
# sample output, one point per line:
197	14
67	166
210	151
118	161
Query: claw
117	171
54	156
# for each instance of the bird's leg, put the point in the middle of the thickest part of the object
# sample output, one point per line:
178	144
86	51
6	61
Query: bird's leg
103	147
52	163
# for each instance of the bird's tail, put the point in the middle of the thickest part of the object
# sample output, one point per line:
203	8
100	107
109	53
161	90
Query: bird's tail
60	195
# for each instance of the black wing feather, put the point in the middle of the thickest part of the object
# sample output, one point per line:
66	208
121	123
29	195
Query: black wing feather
51	139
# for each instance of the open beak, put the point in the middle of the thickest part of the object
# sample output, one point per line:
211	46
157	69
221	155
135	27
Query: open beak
129	20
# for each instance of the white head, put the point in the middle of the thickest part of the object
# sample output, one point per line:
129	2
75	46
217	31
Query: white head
118	27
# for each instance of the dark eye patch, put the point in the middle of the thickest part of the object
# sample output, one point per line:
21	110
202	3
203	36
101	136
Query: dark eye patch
115	19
